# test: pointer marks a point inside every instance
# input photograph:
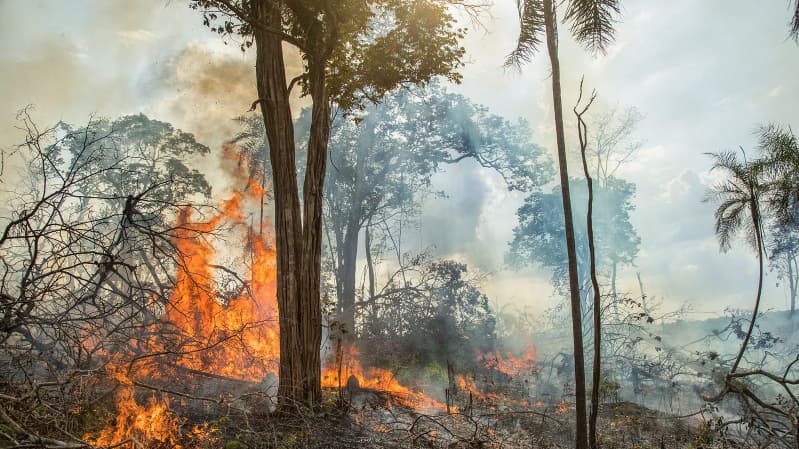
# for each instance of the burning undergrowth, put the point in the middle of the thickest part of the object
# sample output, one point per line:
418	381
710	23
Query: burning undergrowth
200	369
214	349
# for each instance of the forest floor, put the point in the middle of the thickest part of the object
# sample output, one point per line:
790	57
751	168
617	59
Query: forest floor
379	420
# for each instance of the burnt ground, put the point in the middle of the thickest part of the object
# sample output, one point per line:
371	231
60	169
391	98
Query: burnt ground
379	420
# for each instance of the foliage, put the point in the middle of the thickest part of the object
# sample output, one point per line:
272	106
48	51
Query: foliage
590	22
370	46
539	236
777	168
438	315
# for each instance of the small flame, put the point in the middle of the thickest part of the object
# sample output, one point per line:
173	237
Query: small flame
509	364
375	379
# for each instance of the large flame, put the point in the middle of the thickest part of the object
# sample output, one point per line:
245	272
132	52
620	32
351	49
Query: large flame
219	323
232	333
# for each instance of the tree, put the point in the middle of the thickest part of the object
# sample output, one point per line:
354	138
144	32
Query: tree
383	159
784	259
582	134
739	210
795	22
778	168
352	51
438	315
611	145
538	238
591	24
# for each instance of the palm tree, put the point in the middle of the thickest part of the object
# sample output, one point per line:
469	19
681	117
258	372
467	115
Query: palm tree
739	211
591	24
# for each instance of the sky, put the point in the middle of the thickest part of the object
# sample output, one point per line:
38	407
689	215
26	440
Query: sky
703	74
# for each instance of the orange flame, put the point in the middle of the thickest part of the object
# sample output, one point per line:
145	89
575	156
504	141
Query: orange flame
375	379
508	363
234	335
152	425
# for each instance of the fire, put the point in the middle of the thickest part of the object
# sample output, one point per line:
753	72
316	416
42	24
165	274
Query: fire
509	364
375	379
227	333
153	424
236	338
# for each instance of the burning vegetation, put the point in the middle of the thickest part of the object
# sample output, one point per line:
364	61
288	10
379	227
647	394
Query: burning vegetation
158	326
293	310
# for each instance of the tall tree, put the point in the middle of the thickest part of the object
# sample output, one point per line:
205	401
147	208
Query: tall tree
383	159
778	170
739	210
591	24
352	51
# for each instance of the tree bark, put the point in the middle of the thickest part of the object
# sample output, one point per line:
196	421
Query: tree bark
298	243
347	270
574	284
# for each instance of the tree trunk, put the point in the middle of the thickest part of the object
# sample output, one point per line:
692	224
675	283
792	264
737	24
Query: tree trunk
313	191
347	270
298	244
791	282
582	132
755	211
574	283
370	267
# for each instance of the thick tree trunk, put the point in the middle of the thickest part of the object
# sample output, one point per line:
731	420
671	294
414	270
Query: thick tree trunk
298	244
313	190
574	282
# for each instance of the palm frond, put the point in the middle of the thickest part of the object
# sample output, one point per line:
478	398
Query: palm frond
729	219
795	23
531	31
737	196
592	22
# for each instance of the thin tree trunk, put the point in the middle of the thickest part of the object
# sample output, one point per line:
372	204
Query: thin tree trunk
582	133
613	293
574	283
755	211
791	283
370	267
643	293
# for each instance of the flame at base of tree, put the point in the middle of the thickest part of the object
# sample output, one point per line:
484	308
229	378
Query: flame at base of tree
220	324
